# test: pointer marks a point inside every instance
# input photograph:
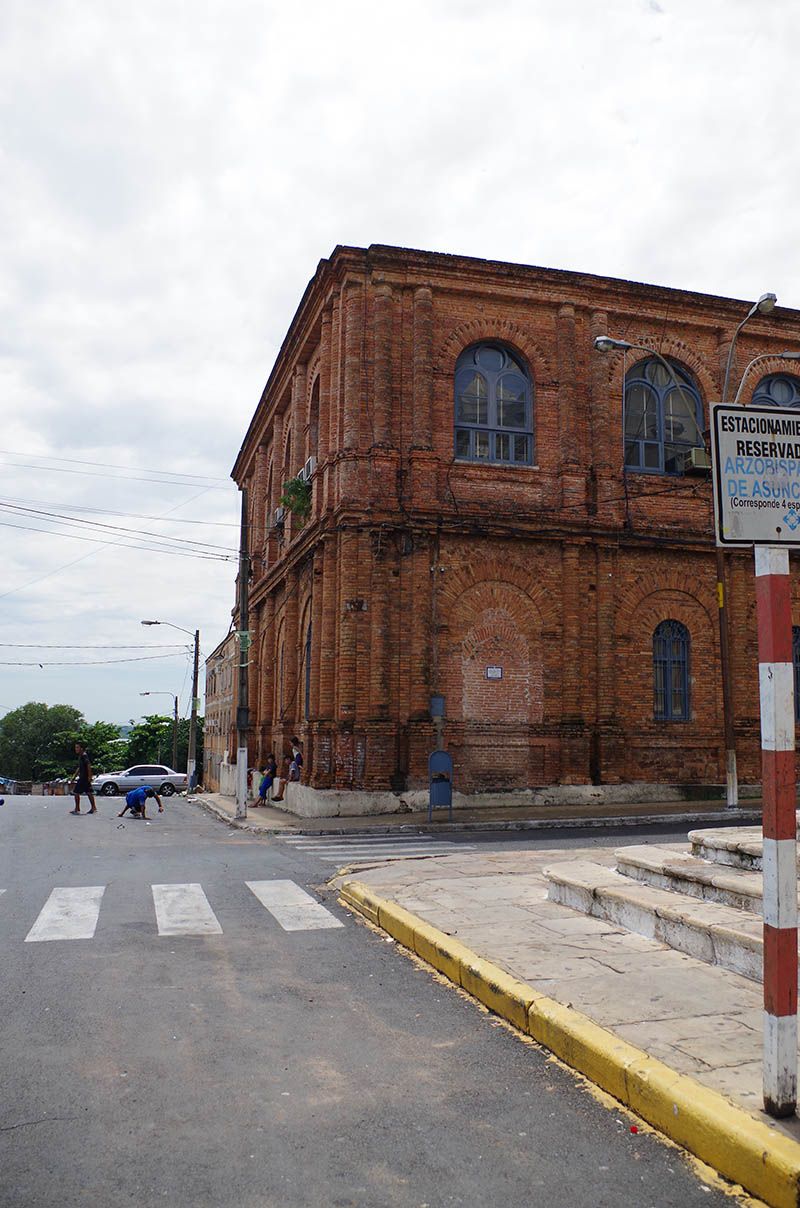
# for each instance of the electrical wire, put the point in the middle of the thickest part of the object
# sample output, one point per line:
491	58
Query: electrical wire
94	662
175	553
203	479
125	515
129	646
61	517
177	482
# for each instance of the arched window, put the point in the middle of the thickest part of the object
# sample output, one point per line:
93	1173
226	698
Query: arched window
671	671
313	420
493	407
778	390
662	421
796	664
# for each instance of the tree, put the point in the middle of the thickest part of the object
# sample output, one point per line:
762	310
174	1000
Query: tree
33	744
150	741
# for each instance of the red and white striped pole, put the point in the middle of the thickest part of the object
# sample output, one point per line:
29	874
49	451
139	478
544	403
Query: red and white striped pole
776	685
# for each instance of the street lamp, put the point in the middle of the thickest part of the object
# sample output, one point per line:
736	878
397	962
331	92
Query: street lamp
764	306
764	356
192	755
174	724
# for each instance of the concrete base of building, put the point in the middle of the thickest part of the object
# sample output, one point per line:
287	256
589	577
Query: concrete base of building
306	802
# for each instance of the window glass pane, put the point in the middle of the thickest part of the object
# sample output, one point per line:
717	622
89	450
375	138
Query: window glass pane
781	391
502	447
677	690
632	453
680	421
658	683
462	442
657	374
491	359
674	459
641	413
521	447
511	401
482	445
471	399
652	456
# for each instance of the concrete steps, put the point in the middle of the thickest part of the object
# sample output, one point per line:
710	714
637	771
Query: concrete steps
710	931
681	872
735	846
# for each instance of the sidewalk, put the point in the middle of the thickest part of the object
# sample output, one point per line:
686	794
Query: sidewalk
676	1040
269	820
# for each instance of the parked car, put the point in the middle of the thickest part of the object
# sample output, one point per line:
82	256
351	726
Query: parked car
150	775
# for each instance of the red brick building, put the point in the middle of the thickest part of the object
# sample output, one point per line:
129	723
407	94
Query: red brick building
502	515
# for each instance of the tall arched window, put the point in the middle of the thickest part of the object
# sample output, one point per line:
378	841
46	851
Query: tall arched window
662	421
313	420
307	675
796	664
778	390
671	672
493	407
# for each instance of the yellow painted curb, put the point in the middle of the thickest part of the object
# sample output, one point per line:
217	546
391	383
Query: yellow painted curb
741	1147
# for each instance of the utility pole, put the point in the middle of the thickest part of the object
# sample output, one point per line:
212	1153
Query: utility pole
191	760
174	764
243	709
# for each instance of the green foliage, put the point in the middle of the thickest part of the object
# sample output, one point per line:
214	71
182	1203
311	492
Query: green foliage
150	741
297	497
35	741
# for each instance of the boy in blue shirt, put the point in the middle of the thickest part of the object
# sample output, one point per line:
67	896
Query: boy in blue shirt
136	802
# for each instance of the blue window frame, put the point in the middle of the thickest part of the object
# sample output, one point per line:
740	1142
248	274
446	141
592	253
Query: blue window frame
778	390
493	407
662	422
671	671
796	664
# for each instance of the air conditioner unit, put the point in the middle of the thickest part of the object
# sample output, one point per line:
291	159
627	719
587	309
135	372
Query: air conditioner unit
309	468
698	461
279	517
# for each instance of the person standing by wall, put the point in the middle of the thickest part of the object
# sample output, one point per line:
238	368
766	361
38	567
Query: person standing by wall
82	780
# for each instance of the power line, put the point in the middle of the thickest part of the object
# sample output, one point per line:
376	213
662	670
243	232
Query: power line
76	461
48	574
125	515
61	517
130	646
149	549
94	662
177	482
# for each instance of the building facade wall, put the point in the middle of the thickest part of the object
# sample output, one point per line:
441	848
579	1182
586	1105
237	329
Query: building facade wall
219	734
416	571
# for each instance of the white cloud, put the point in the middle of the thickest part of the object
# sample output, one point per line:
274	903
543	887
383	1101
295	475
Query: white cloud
174	171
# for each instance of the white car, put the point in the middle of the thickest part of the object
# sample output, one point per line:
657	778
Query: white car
156	776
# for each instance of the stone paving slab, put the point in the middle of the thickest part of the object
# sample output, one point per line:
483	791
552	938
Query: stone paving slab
699	1020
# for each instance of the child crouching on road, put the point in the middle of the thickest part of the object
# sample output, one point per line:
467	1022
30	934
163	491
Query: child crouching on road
136	802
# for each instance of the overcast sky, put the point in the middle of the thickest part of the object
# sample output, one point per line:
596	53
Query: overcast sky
173	172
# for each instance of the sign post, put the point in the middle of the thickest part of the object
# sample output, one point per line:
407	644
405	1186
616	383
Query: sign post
756	482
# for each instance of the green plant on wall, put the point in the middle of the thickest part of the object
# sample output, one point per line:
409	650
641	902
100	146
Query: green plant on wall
297	497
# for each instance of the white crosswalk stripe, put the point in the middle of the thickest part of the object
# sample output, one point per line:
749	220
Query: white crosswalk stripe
292	907
184	910
363	849
180	910
68	914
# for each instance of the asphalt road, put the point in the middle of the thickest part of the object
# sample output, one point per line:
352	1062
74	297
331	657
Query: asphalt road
257	1066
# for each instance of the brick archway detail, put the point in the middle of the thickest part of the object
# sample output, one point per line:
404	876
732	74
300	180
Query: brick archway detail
539	361
673	349
461	580
762	370
641	595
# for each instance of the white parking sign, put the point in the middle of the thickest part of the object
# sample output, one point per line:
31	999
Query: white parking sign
756	475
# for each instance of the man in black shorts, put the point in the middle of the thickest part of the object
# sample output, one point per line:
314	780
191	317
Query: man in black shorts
82	782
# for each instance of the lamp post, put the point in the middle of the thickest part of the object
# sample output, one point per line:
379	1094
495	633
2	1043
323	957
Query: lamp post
192	755
174	724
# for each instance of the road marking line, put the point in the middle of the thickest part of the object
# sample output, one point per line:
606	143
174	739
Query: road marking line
291	906
184	910
68	914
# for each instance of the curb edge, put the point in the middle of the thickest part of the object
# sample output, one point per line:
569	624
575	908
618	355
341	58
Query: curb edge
716	1130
